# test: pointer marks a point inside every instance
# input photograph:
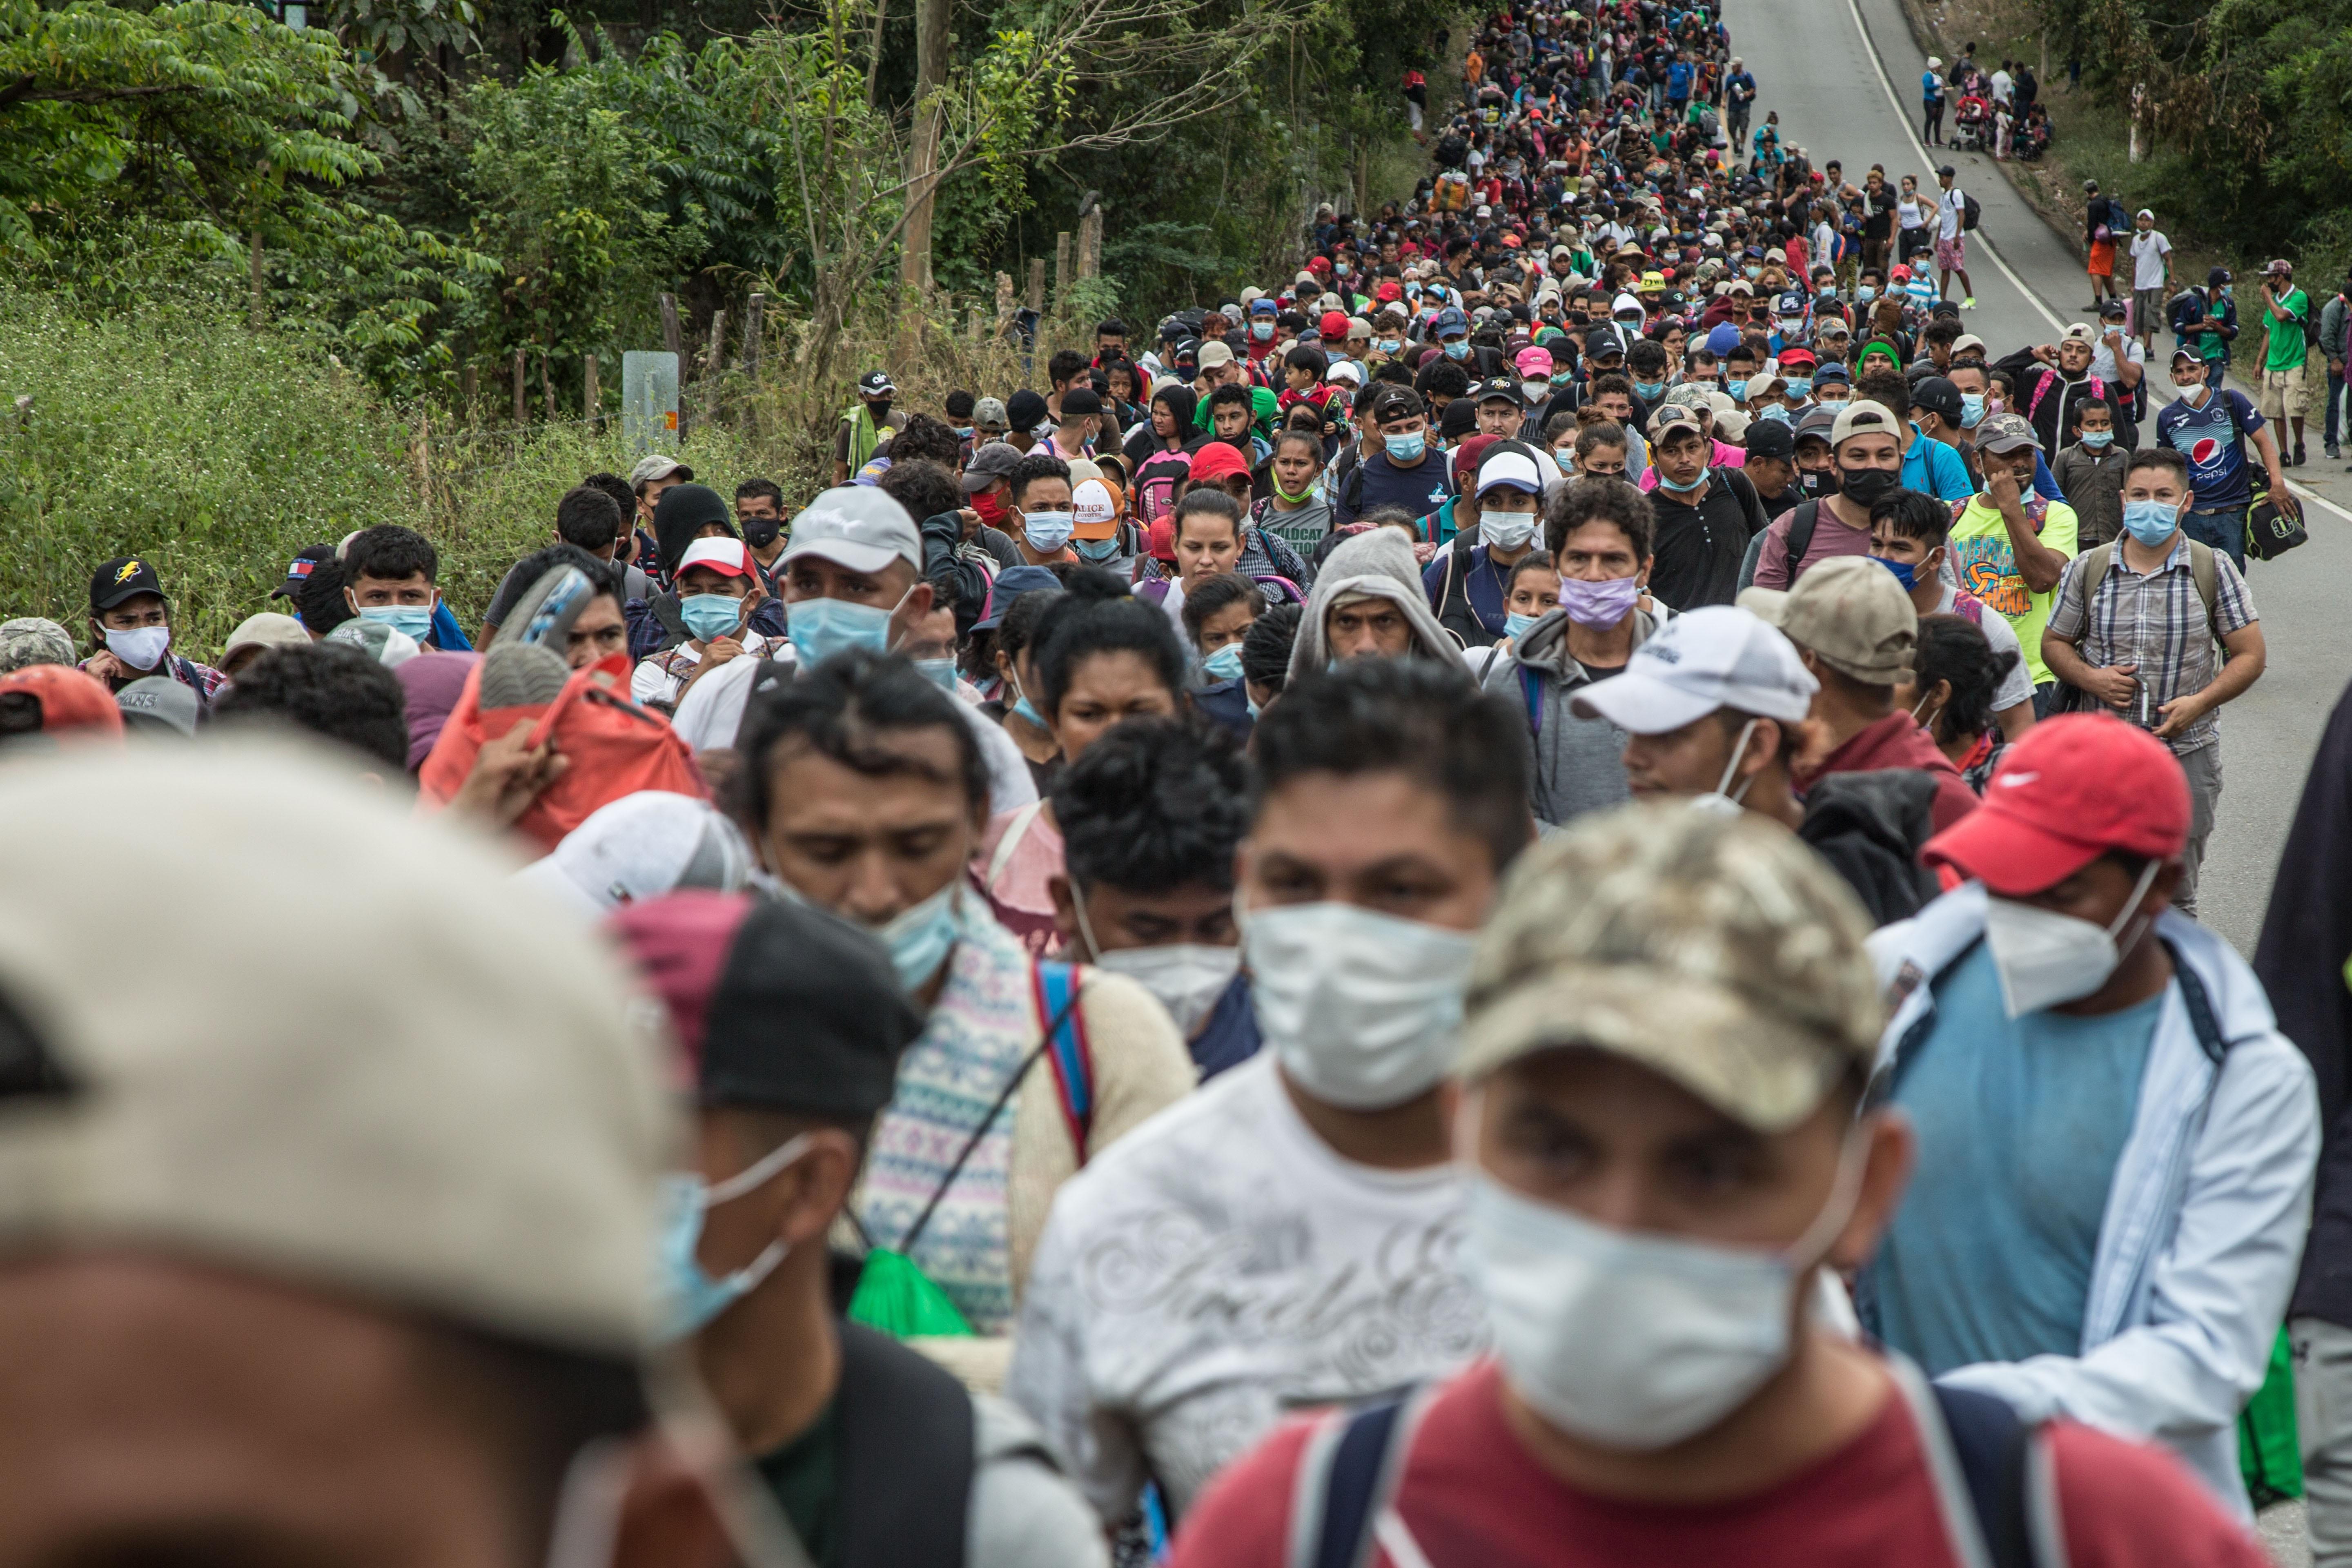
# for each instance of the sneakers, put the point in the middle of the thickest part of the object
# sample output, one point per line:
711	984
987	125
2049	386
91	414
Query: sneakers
2298	454
2331	451
1969	303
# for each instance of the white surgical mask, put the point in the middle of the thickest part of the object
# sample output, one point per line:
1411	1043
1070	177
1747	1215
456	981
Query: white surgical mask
2046	958
1725	800
141	648
1506	529
1637	1342
1186	977
1359	1008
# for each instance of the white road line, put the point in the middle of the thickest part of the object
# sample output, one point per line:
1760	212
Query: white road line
1903	118
2316	499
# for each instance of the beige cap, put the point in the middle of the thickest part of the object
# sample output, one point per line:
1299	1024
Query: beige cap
1851	613
268	629
1863	417
423	1089
1720	951
1214	353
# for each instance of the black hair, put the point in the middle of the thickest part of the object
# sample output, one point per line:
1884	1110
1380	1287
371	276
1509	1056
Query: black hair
1206	498
1447	379
1913	515
1265	646
1593	500
1646	356
841	709
925	489
1064	366
1018	629
1296	432
1230	395
588	517
333	691
1154	805
1307	359
1607	383
389	551
924	436
320	602
2170	457
1533	561
960	404
1945	329
2097	400
768	488
1038	463
1096	614
1213	595
1953	648
605	576
1417	717
1112	325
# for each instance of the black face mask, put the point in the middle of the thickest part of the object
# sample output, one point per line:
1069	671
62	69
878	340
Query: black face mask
1867	487
760	532
1817	483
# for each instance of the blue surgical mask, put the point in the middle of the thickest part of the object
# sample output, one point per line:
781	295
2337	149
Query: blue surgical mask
940	672
1835	405
1666	484
2150	521
1905	572
409	620
1225	664
1515	624
1777	413
1737	389
819	628
963	432
1864	294
1972	409
1563	378
1651	391
1457	348
693	1296
2098	440
1047	531
710	615
1096	549
1799	384
1262	330
1407	449
1388	346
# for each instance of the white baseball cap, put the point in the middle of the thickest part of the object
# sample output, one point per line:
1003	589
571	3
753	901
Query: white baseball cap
640	847
1091	502
857	527
1715	656
727	557
1509	470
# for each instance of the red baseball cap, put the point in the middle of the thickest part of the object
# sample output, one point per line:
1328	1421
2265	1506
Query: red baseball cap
1466	457
2074	788
1333	326
1390	292
1215	460
69	699
1797	356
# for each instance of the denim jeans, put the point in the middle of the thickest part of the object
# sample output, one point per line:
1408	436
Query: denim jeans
2335	397
2224	529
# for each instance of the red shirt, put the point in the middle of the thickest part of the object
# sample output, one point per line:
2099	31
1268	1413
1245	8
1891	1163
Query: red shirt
1897	741
1473	1498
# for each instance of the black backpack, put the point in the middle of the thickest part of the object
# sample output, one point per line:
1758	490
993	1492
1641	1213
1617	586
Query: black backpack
1971	214
906	1457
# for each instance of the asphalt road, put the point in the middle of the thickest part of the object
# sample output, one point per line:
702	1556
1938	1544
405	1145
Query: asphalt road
1820	64
1813	62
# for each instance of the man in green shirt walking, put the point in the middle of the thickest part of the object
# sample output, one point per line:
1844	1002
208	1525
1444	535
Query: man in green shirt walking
2286	311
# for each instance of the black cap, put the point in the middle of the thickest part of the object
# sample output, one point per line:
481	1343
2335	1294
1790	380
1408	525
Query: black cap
120	578
680	516
1771	438
875	383
995	460
1024	410
1079	402
1937	396
2215	278
1505	388
299	569
778	1006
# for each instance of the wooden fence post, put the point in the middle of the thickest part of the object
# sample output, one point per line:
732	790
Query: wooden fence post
716	355
754	331
1061	270
521	407
546	387
1037	284
1090	243
591	397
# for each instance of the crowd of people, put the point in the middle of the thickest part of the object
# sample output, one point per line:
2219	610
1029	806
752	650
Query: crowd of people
1530	899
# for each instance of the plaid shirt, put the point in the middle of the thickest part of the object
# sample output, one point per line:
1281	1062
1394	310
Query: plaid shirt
2158	622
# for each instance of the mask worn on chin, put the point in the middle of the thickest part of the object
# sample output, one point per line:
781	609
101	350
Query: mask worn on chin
2046	958
1867	487
694	1297
1725	800
1359	1008
1637	1342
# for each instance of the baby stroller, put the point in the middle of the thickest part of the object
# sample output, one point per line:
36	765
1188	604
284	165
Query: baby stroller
1972	125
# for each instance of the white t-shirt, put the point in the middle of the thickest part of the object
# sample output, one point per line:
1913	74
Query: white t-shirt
1222	1267
2103	366
660	677
2001	87
1948	209
712	710
2148	253
2017	686
1911	211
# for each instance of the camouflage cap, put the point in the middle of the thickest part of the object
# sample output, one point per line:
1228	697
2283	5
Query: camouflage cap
1720	951
31	641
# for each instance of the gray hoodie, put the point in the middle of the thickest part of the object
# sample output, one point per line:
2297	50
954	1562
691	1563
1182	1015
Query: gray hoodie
1378	563
1578	762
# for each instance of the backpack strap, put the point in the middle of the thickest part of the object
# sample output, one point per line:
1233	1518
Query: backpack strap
1532	690
1982	1461
2194	999
2206	576
1348	1477
1014	832
907	1454
1800	534
1067	1048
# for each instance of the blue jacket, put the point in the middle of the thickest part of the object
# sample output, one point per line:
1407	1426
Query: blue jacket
2205	1219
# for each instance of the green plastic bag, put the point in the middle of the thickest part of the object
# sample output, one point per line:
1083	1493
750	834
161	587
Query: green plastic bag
2270	1454
895	1297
